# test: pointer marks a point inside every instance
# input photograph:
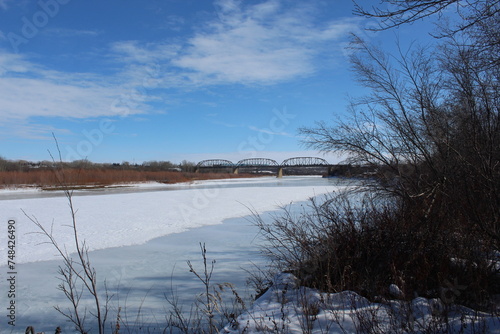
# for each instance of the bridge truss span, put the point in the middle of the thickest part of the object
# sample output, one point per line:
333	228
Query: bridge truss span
304	162
215	163
257	162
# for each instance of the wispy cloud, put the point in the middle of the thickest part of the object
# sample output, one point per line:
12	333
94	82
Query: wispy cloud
64	32
30	90
225	124
42	98
133	52
13	63
269	132
28	130
249	44
174	22
264	43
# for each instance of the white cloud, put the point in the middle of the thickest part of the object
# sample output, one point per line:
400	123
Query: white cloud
264	43
25	129
174	22
131	52
62	32
226	124
29	90
13	63
25	97
269	132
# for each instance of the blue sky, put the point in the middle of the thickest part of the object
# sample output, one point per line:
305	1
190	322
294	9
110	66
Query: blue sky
131	80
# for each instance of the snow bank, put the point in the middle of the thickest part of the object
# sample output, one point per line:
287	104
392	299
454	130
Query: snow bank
288	308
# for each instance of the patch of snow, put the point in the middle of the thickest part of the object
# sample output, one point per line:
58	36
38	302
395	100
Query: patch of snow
288	308
395	291
19	189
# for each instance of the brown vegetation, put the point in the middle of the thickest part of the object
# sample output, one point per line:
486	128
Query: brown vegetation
363	244
46	178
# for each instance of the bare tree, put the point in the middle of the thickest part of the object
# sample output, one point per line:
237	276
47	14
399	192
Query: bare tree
78	276
432	125
477	23
399	12
390	128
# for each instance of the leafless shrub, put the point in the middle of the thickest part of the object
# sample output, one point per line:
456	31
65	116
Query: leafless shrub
212	309
364	244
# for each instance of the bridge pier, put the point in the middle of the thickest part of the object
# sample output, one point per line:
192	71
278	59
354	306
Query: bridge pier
280	172
236	170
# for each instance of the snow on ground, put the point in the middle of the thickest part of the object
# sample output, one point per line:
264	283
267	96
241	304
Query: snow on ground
146	211
19	190
289	308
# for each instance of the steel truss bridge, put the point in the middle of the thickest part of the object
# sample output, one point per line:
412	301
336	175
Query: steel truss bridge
263	164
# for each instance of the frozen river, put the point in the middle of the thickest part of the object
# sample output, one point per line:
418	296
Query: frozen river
140	238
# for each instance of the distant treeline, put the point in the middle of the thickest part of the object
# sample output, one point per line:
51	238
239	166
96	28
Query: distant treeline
23	165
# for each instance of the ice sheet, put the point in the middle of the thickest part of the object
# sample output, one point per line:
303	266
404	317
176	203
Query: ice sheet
121	219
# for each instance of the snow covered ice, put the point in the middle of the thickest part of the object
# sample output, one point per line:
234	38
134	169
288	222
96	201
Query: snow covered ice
114	219
125	230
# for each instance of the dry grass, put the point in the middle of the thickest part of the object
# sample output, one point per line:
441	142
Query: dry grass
47	178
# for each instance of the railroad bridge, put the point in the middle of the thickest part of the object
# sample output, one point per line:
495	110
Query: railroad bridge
262	164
